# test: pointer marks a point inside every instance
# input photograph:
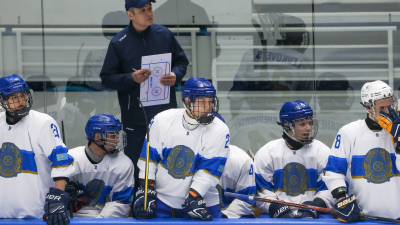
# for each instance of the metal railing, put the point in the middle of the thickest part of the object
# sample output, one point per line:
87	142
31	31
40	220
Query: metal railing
389	46
79	31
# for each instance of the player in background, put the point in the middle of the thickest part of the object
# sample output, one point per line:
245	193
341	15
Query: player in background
361	172
238	177
188	161
33	158
334	93
103	176
290	168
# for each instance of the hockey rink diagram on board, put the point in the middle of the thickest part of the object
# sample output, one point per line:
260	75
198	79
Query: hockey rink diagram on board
152	91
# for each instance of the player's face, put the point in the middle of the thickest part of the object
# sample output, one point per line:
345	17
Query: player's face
16	101
382	105
202	106
302	129
142	18
112	139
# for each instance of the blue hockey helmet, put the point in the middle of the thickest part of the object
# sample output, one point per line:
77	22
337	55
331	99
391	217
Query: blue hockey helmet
110	130
200	88
12	85
298	111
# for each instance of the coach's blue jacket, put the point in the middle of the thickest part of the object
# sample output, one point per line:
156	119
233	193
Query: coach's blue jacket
124	53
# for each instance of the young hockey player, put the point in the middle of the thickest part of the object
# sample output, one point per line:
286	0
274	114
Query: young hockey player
103	176
32	155
290	168
188	150
361	172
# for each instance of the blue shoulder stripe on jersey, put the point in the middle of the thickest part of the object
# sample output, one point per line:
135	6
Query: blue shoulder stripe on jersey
312	175
28	162
357	166
262	184
59	157
214	166
153	154
336	165
125	196
321	186
164	161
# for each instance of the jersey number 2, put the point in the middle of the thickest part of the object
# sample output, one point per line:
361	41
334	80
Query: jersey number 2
227	141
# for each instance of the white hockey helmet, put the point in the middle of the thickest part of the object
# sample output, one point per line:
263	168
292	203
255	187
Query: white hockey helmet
373	91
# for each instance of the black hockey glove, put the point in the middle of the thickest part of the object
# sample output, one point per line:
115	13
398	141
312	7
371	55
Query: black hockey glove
78	198
138	206
390	123
348	210
280	211
195	206
307	213
56	207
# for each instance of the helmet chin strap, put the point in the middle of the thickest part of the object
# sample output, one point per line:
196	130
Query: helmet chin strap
295	144
103	147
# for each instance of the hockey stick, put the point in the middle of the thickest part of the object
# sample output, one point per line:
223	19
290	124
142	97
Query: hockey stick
147	158
321	209
251	154
63	101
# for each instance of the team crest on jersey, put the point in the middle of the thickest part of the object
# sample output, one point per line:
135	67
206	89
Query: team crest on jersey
180	161
378	166
294	179
11	160
94	189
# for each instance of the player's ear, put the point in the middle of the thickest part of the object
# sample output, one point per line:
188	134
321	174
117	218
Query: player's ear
97	136
186	99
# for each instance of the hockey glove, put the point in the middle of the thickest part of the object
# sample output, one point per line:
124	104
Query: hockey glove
391	123
78	198
307	213
55	207
348	210
138	206
280	211
195	206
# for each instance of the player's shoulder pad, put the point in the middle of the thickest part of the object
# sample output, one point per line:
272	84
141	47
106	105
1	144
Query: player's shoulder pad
352	129
77	152
238	155
39	118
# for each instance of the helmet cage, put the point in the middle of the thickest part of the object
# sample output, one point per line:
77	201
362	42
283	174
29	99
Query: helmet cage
370	105
113	141
192	110
290	125
18	113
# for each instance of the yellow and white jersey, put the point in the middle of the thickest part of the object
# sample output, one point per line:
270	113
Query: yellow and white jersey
366	162
109	184
291	175
32	153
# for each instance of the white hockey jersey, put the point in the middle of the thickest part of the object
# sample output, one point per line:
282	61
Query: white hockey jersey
367	162
291	175
238	177
32	153
110	183
182	159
